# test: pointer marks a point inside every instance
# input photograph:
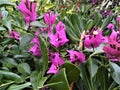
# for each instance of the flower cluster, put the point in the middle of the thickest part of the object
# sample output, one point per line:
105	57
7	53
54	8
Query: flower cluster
94	38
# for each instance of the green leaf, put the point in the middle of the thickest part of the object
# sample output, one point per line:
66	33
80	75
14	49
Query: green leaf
24	41
72	72
24	68
2	28
92	67
7	23
115	72
85	76
97	19
11	76
37	24
37	80
44	52
89	24
19	87
102	75
59	81
106	22
9	60
6	3
71	31
33	79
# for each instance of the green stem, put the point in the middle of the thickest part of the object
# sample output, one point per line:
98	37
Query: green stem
7	84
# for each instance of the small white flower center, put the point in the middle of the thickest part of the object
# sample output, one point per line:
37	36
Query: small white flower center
32	0
95	32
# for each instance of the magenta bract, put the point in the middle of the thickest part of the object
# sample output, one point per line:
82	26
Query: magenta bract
60	26
112	50
35	50
94	39
53	69
14	34
56	59
49	18
57	62
58	39
76	56
28	9
111	26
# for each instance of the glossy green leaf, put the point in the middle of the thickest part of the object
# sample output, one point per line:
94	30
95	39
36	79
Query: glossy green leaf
24	68
11	76
7	23
24	41
106	22
89	24
33	79
9	61
84	74
92	67
102	75
72	71
115	72
59	81
97	19
37	80
19	87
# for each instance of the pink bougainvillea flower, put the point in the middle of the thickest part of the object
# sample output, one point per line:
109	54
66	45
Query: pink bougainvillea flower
56	59
111	26
14	34
28	9
76	56
53	69
35	40
35	50
118	19
58	39
112	50
37	33
94	39
60	26
94	2
49	18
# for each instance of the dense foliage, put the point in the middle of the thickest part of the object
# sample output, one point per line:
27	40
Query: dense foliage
59	45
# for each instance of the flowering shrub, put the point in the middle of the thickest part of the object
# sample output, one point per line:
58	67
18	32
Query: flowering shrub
59	45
